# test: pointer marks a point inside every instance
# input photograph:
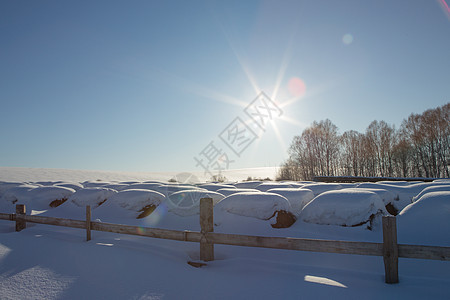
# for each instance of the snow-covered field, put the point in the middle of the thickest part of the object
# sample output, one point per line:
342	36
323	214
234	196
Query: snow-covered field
50	262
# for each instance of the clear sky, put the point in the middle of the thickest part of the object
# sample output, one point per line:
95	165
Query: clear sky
148	85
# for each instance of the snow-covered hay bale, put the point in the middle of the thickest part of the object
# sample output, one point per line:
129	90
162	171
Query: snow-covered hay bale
117	186
95	183
344	208
71	185
214	187
442	181
46	197
293	184
128	182
386	196
426	221
4	186
319	188
169	189
265	186
403	194
187	202
298	198
143	186
434	188
46	183
395	183
348	185
144	202
18	194
152	181
94	196
261	205
230	191
248	184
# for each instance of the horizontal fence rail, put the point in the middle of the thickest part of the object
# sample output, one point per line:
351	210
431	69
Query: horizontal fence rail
168	234
314	245
389	249
424	252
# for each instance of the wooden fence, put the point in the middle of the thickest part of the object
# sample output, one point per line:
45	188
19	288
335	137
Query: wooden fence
389	249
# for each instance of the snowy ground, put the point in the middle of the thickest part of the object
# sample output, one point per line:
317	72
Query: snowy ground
49	262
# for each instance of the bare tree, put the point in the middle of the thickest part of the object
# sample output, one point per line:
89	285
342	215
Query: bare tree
351	142
421	147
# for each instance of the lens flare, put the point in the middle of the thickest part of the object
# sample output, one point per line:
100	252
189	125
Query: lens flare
445	8
156	216
140	230
347	39
297	87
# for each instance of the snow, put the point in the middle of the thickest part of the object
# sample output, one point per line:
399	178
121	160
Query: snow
51	262
343	207
257	205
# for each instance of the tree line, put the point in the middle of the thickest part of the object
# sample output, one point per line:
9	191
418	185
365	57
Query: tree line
419	148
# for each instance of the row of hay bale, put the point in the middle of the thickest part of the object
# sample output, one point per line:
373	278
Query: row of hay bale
281	203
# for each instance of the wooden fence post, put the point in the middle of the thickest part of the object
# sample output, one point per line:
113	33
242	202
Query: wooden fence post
207	225
20	223
88	223
390	249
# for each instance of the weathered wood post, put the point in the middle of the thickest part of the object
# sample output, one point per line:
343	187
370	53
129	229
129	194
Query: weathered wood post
21	210
88	223
207	225
390	249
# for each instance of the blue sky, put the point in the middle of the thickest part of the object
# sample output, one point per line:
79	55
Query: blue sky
147	85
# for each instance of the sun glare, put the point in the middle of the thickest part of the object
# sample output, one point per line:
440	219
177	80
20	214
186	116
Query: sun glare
297	87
